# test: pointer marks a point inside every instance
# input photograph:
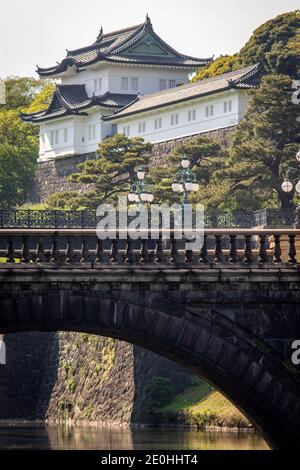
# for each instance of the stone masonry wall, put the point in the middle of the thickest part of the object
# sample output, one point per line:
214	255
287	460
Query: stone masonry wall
51	176
79	378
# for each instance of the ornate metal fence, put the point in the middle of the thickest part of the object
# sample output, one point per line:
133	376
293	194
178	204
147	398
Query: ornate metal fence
27	218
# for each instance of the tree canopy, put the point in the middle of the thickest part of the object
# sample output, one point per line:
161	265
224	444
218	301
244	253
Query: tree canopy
276	42
111	173
18	140
264	146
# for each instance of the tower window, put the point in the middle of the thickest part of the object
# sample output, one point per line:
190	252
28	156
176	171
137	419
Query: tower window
172	83
142	127
126	130
134	84
52	138
66	135
192	115
174	119
157	123
56	137
209	111
162	84
124	83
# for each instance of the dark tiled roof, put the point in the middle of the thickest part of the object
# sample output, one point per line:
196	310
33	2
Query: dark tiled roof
115	47
73	99
246	78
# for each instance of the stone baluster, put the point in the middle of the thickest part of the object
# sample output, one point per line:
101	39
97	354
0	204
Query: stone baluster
70	250
233	256
84	252
129	257
292	250
25	258
113	252
277	249
262	255
10	258
218	257
54	250
158	258
99	252
188	256
248	258
40	255
173	252
143	256
203	259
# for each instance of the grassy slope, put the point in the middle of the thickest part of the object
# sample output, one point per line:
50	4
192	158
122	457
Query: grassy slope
202	406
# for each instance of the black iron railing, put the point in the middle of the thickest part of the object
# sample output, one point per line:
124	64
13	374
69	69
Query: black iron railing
27	218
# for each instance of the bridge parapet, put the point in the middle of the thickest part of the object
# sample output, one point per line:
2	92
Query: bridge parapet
262	247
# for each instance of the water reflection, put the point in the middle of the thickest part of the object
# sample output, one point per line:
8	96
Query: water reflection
41	436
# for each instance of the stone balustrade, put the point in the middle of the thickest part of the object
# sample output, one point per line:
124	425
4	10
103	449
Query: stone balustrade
230	247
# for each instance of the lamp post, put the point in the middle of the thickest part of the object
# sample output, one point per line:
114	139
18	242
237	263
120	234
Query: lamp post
185	180
138	192
288	186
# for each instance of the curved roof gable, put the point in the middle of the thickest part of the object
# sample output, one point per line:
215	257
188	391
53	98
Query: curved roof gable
73	100
135	45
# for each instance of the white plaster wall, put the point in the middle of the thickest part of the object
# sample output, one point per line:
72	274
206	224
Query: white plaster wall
111	75
48	151
219	120
80	141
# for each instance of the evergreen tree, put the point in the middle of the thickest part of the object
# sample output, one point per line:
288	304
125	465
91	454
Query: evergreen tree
264	145
206	157
111	174
276	42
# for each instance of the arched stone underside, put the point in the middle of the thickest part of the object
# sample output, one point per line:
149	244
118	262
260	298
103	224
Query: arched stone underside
234	329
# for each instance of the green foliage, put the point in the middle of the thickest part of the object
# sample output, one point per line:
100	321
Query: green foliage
206	157
264	145
222	64
19	141
21	92
158	392
18	156
71	384
111	174
43	99
276	42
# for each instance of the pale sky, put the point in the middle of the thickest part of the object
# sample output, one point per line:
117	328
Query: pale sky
38	32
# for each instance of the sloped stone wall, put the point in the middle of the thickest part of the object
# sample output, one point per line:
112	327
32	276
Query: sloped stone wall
79	378
51	176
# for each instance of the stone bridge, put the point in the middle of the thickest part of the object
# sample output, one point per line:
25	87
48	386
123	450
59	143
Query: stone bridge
229	312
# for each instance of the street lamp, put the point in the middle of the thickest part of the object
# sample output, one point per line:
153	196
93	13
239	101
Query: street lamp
185	180
138	192
288	186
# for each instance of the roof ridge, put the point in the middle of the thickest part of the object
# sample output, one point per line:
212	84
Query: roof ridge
123	30
191	85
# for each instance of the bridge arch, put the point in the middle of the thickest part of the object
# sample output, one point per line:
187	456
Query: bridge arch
246	370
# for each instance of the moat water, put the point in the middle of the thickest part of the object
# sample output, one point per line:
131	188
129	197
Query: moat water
42	436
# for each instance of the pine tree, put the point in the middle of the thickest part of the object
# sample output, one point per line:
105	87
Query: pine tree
111	174
264	146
